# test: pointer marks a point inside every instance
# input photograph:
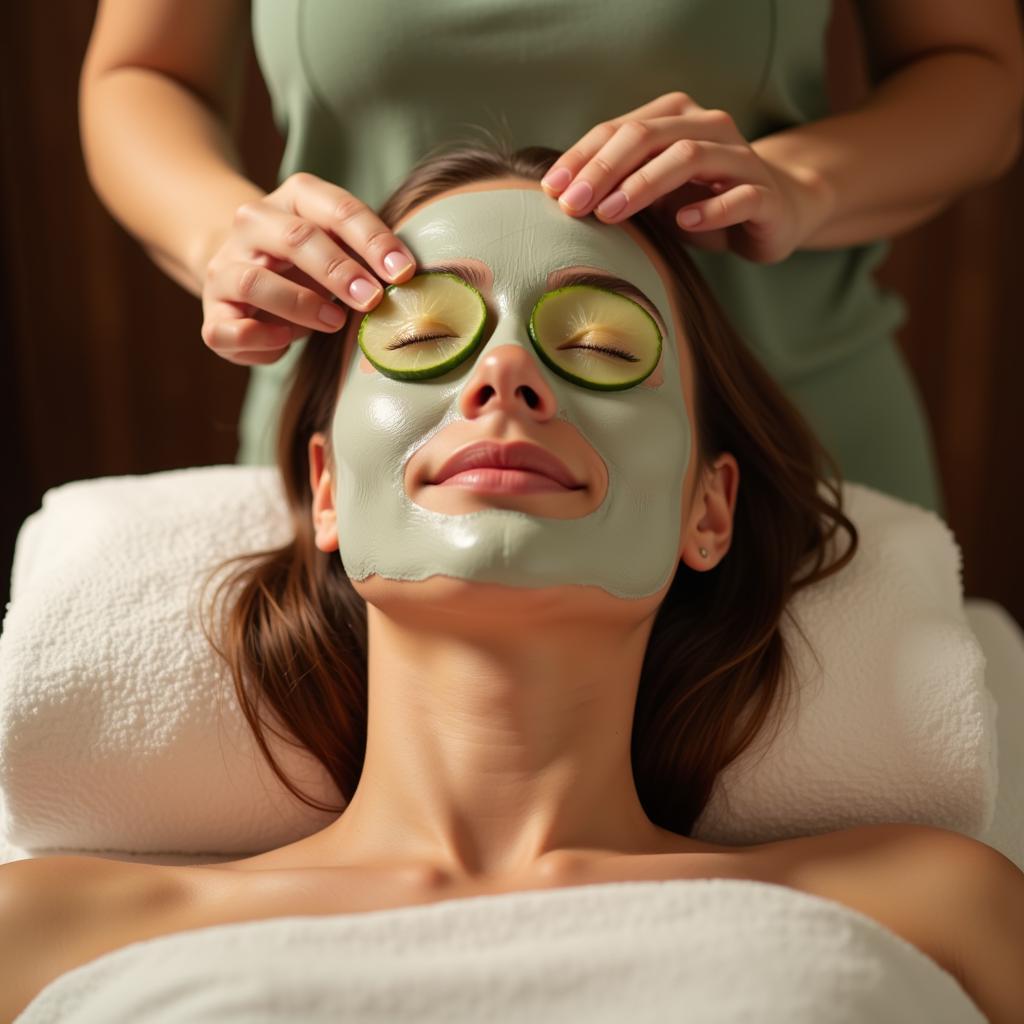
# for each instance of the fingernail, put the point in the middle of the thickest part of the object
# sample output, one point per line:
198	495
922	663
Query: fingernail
558	179
362	291
577	195
615	203
689	218
397	263
331	315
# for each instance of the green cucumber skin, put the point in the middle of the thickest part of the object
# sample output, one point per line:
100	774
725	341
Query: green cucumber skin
441	368
592	385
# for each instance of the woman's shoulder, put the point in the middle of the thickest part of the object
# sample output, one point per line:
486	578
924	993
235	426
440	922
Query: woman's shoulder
62	889
957	899
890	872
49	909
886	864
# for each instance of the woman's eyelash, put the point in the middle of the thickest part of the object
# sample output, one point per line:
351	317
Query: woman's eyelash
628	356
402	342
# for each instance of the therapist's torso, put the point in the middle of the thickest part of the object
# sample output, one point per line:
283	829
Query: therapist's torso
362	91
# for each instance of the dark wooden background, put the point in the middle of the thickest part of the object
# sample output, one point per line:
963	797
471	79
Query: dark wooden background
103	371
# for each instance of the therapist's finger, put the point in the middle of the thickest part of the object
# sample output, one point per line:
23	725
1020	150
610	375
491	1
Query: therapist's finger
678	165
564	169
345	216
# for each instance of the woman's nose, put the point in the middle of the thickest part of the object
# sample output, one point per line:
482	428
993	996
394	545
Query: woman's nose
507	378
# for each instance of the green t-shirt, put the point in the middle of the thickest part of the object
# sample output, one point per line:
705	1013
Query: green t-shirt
361	92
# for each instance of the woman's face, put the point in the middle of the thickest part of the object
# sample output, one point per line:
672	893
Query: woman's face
629	452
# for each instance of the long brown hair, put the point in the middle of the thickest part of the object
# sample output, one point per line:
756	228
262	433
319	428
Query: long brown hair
293	628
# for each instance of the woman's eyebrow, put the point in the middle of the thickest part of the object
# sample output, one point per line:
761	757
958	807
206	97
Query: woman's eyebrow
469	272
474	275
599	279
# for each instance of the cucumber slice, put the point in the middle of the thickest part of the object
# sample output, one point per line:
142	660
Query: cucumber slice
424	327
594	337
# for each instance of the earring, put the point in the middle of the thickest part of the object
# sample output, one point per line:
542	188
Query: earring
703	552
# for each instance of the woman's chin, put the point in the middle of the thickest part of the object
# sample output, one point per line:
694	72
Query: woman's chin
450	598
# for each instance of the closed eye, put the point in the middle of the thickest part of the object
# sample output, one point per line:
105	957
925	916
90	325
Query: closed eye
590	332
628	356
403	342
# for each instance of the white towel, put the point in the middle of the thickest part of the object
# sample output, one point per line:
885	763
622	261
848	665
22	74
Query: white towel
119	732
709	951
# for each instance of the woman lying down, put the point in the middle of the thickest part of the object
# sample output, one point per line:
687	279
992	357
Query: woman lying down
548	512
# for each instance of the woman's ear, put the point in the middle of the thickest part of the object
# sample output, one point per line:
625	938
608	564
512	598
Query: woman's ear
709	523
325	519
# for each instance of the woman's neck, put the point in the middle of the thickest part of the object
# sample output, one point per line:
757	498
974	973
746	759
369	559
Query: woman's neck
499	729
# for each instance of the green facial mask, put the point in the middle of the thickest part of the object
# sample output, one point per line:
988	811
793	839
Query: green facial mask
629	544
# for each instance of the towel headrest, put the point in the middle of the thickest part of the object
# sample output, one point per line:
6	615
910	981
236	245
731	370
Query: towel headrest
119	730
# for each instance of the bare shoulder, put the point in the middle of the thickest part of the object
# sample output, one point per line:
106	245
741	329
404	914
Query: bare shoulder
59	888
49	911
984	922
45	893
958	900
37	904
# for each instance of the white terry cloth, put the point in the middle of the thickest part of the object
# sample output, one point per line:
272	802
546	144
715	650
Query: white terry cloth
120	734
704	951
1003	643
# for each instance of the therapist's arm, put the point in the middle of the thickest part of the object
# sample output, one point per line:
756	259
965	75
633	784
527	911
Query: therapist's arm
944	118
159	95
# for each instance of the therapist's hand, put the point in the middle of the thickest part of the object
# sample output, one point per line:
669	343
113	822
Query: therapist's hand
284	260
691	161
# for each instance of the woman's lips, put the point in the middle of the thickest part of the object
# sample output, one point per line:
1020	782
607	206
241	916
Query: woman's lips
516	466
502	480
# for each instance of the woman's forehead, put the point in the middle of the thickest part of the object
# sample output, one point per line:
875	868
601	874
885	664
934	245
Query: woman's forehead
514	183
517	225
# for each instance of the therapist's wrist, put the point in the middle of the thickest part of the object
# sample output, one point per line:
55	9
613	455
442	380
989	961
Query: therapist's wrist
210	237
812	197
